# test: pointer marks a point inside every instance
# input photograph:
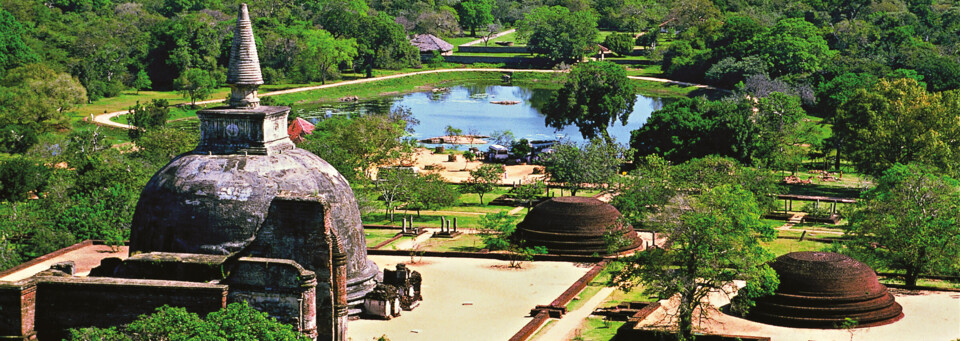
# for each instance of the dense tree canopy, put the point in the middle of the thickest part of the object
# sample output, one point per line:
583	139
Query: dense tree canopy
909	222
712	239
595	95
35	94
475	14
898	121
558	34
593	163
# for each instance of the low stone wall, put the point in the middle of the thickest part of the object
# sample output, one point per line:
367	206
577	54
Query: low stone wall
517	61
492	49
579	285
70	302
631	61
531	327
45	257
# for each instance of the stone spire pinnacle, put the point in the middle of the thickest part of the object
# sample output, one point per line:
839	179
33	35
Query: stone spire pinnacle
244	75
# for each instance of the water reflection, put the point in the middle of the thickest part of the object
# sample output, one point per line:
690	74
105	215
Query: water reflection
468	107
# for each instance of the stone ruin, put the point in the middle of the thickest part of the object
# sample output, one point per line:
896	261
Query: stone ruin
822	290
246	216
400	290
576	225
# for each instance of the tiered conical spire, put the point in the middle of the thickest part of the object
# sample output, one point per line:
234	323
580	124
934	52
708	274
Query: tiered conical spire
244	75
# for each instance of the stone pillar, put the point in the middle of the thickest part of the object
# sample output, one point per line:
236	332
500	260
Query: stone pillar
308	307
339	291
18	304
454	224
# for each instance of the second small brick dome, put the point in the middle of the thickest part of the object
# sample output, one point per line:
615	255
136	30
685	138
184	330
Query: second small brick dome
575	225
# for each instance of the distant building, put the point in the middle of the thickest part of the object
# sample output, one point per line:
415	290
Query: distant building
427	43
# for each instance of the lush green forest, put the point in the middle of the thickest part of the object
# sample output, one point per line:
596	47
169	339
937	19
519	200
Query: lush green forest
866	84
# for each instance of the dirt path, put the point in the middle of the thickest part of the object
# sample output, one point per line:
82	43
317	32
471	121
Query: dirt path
475	42
104	119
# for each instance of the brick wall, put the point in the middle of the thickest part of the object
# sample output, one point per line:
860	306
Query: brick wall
71	302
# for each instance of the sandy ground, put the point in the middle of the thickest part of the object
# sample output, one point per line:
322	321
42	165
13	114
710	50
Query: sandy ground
501	299
928	316
85	258
459	170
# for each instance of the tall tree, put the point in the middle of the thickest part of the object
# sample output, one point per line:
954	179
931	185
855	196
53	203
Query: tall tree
322	54
195	84
483	180
38	95
595	95
356	145
394	184
13	50
142	82
382	43
792	46
20	176
557	34
909	222
898	121
594	163
712	240
430	192
147	117
475	13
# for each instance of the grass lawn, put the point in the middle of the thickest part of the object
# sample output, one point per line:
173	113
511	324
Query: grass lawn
407	84
495	54
922	282
661	89
602	279
427	220
462	243
648	71
822	234
377	236
597	329
781	247
512	36
457	41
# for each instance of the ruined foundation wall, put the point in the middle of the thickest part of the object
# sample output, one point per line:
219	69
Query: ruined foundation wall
279	287
71	302
17	309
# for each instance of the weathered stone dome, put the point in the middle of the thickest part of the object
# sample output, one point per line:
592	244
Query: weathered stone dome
220	198
575	225
822	289
215	204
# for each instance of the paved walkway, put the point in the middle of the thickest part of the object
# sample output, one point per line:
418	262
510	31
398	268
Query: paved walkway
407	244
475	42
566	327
104	119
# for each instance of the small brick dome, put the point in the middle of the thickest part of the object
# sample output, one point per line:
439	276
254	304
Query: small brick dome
574	225
821	289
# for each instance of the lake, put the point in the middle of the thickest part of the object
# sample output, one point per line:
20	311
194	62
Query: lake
468	107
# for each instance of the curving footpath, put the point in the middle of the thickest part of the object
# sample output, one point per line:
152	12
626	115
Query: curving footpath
104	119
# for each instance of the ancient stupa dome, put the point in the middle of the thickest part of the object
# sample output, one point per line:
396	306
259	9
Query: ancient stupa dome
575	225
822	289
214	199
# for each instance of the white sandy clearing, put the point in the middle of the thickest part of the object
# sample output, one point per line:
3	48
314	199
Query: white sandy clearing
501	299
928	316
85	258
459	170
